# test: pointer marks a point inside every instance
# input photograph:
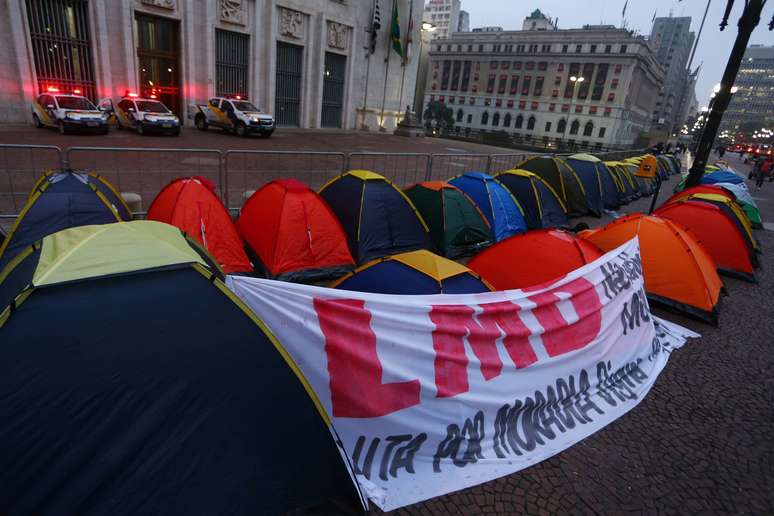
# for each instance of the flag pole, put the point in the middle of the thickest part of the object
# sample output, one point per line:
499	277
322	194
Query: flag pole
406	51
386	70
364	125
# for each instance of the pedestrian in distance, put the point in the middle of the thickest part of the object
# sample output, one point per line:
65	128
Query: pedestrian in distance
764	170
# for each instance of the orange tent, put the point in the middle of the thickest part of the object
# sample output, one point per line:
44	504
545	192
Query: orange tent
190	204
294	233
533	258
678	270
717	232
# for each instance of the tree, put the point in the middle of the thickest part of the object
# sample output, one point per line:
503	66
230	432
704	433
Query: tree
438	115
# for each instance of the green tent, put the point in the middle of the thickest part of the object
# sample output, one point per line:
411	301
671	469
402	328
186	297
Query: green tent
562	178
457	226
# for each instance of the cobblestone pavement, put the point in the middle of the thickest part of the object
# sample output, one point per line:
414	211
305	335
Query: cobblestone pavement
702	441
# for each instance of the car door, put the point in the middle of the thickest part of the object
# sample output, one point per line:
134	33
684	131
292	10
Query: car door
106	106
125	113
214	114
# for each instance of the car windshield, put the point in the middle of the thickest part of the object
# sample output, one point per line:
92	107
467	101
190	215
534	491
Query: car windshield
151	106
243	105
74	103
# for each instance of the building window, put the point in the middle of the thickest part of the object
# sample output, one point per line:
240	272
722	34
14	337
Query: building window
481	48
564	49
614	84
504	65
535	105
498	102
507	120
579	109
496	120
599	81
557	80
561	126
470	119
484	118
592	110
470	47
519	122
565	108
487	101
526	84
611	97
445	75
574	127
607	111
593	49
545	48
602	132
618	69
560	67
517	65
578	49
503	83
231	64
554	93
542	65
510	103
472	101
514	84
530	65
455	80
460	114
531	123
61	45
522	104
548	126
552	107
465	76
608	49
493	64
569	86
538	91
491	83
583	89
623	49
588	129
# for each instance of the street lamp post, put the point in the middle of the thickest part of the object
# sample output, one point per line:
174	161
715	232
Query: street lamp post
747	22
419	85
575	83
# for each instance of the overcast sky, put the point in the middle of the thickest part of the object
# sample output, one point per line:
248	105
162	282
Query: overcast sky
714	46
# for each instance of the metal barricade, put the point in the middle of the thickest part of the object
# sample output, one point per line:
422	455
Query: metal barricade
246	170
446	166
501	162
20	168
403	169
146	171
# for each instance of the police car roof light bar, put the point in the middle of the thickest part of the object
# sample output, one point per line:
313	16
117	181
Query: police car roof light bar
52	89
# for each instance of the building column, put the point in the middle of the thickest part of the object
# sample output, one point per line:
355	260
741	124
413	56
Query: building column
17	17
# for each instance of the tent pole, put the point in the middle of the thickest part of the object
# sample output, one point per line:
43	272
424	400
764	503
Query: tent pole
655	195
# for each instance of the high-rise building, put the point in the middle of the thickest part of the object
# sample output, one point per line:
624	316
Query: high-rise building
464	22
445	15
754	100
672	40
519	82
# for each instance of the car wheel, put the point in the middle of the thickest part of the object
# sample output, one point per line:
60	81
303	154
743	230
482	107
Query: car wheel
176	132
62	129
37	122
240	130
201	123
267	135
106	130
140	130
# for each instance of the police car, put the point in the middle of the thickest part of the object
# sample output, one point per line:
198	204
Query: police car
233	114
68	112
144	115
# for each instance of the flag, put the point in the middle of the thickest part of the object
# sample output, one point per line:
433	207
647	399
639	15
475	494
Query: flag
395	30
623	13
376	24
654	16
409	33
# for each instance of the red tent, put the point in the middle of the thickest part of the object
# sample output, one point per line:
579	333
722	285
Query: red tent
294	232
190	204
710	189
533	258
717	232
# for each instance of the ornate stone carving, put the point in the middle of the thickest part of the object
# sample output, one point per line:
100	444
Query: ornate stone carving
166	4
232	11
337	35
291	23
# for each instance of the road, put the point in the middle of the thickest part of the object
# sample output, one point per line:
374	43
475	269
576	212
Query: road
701	442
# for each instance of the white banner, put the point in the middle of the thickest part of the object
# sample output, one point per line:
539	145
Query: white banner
431	394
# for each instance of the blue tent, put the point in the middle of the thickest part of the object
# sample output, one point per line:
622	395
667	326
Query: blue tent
721	176
377	217
541	204
601	191
62	200
414	273
500	208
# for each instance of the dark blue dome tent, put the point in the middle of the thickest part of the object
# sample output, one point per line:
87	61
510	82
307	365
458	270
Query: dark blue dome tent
541	204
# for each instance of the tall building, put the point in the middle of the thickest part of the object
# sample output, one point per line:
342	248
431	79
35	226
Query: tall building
754	100
464	22
445	15
672	41
304	62
519	82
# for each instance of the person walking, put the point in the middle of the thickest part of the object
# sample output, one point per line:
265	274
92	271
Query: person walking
764	170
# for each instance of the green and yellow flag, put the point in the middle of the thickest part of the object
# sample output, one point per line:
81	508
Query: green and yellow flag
395	31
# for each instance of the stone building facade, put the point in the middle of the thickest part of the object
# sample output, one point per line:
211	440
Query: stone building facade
307	62
754	100
519	82
672	41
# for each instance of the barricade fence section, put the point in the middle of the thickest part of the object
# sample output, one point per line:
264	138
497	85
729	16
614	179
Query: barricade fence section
145	171
447	166
20	168
403	169
502	162
246	171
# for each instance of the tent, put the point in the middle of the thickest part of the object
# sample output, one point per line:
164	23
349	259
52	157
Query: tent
61	200
731	209
190	203
134	382
416	272
717	232
664	167
377	217
644	185
457	226
708	189
293	233
745	200
600	193
500	208
674	164
533	259
721	176
563	179
627	186
541	204
678	271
